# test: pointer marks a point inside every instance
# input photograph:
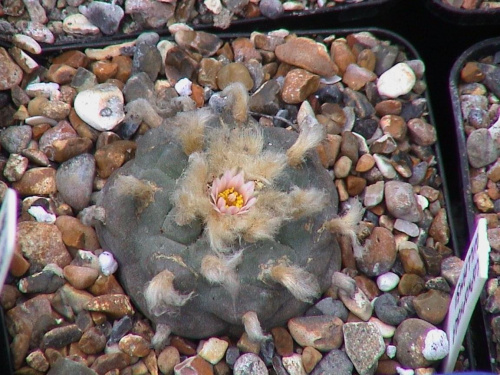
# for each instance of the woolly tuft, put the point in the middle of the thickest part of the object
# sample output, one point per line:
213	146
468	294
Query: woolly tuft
161	296
221	270
311	134
303	285
191	128
347	224
252	327
238	100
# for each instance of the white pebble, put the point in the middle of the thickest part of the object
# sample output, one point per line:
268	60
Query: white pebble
27	43
436	345
183	87
422	201
405	371
390	351
108	263
44	89
37	120
101	106
42	216
396	81
78	24
215	6
384	166
387	281
407	227
173	28
386	330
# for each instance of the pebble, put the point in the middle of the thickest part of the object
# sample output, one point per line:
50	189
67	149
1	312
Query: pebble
396	81
15	167
293	364
387	310
250	363
334	359
323	333
59	337
41	244
134	345
364	345
213	350
74	180
387	281
80	277
380	253
374	194
78	24
419	343
411	284
27	43
112	156
106	17
116	305
101	107
357	77
12	74
451	268
283	341
411	229
310	358
401	201
92	341
423	133
307	54
77	236
234	72
298	85
481	148
432	306
168	359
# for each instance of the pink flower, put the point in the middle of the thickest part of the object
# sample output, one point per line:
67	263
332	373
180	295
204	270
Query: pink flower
231	195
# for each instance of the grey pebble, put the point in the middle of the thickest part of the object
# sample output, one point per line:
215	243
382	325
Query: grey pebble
387	309
271	8
105	16
329	306
250	363
61	336
335	362
65	365
74	180
401	202
364	345
14	139
481	148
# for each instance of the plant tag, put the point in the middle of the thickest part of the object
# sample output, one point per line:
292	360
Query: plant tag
467	291
8	224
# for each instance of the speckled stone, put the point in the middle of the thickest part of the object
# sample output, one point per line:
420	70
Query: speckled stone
323	333
298	85
11	74
364	345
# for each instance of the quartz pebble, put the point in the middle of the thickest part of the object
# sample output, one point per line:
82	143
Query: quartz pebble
397	81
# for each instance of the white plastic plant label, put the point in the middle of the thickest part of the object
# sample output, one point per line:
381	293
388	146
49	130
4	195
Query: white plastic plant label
469	286
8	224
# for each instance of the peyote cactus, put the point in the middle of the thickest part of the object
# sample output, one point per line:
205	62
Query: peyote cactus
218	221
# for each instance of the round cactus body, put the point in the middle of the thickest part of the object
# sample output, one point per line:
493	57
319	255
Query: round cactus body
190	260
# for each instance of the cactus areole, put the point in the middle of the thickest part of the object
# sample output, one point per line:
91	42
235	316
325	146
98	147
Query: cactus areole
210	221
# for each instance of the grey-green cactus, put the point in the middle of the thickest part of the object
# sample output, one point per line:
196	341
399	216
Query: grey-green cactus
218	222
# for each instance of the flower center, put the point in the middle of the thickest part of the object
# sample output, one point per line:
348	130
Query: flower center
232	198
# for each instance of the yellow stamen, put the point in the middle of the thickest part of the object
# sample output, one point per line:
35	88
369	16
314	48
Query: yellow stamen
232	198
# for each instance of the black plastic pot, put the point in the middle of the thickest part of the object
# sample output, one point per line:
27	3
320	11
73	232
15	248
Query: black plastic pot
51	50
479	50
339	14
462	16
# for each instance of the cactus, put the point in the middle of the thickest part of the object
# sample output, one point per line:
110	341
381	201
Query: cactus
218	224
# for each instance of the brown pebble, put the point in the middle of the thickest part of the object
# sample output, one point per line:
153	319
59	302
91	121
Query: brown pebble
245	345
298	85
76	235
368	286
37	181
115	305
411	285
207	73
183	345
134	345
365	163
93	341
112	361
80	277
387	367
73	58
37	361
61	73
113	156
432	306
342	55
381	253
104	70
393	125
471	72
65	149
234	72
323	332
19	265
411	261
244	50
42	244
307	54
124	70
283	341
106	285
194	365
355	185
439	229
12	74
168	359
310	358
328	150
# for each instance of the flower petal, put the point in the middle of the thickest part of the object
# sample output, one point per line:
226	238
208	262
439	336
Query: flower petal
247	190
233	210
237	181
221	203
